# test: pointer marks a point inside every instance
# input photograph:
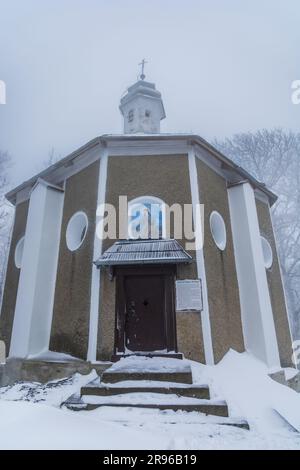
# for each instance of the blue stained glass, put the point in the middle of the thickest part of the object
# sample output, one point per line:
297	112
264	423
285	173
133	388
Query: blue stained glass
154	219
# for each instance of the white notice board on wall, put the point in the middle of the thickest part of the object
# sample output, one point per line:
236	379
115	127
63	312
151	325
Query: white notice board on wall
189	295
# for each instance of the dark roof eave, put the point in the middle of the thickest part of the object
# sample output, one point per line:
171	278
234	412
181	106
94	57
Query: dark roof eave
11	195
241	171
142	262
195	139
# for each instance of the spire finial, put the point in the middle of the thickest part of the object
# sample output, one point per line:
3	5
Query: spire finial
142	64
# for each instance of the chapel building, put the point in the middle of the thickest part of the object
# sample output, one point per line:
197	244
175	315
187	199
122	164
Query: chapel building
71	290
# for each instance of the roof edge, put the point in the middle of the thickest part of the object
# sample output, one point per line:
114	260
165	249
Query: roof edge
194	139
11	195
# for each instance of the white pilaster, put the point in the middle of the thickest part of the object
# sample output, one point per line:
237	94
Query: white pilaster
206	328
96	273
35	297
257	316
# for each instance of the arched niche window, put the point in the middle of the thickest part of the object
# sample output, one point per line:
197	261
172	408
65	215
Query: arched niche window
267	252
76	230
218	230
146	218
19	252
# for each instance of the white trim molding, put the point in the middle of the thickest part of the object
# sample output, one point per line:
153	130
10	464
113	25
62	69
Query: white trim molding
256	309
96	273
206	327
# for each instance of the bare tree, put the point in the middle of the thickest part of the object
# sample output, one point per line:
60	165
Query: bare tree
52	158
273	157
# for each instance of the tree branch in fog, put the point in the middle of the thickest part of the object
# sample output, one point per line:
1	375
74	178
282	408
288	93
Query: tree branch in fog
273	157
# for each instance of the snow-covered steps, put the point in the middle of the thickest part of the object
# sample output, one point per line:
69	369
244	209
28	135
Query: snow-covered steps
135	414
156	385
141	417
185	390
145	368
178	377
150	401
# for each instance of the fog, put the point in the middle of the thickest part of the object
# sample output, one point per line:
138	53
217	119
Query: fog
222	66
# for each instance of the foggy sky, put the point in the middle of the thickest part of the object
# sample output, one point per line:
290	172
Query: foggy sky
223	66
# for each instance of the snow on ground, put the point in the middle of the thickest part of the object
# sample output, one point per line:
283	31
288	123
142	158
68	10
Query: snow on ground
53	393
290	372
36	426
31	417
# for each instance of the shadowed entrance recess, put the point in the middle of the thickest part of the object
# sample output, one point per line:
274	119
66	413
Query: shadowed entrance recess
145	320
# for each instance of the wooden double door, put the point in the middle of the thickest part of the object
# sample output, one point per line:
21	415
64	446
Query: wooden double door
145	311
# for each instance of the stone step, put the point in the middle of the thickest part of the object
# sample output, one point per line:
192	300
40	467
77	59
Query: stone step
216	410
193	391
208	407
138	417
184	377
146	368
75	403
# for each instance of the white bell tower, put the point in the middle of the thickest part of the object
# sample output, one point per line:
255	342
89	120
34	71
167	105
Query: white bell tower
142	107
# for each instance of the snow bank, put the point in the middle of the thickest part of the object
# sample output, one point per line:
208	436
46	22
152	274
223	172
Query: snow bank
243	381
35	426
52	356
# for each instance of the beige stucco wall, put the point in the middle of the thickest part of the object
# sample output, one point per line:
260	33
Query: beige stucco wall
106	331
189	330
276	287
70	324
222	285
12	276
165	177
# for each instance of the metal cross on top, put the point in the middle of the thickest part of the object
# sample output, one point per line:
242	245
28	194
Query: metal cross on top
142	64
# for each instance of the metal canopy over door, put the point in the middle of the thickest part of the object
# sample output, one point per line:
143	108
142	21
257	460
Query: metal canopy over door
145	310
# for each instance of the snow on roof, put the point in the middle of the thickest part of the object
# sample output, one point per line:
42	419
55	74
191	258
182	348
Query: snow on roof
127	252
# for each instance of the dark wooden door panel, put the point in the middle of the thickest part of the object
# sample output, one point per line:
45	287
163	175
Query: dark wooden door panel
145	313
145	309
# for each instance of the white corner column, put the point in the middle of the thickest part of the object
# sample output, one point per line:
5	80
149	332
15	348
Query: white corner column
35	297
96	273
256	309
206	327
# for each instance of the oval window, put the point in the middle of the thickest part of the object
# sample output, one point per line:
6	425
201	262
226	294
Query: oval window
218	229
19	252
76	230
267	252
